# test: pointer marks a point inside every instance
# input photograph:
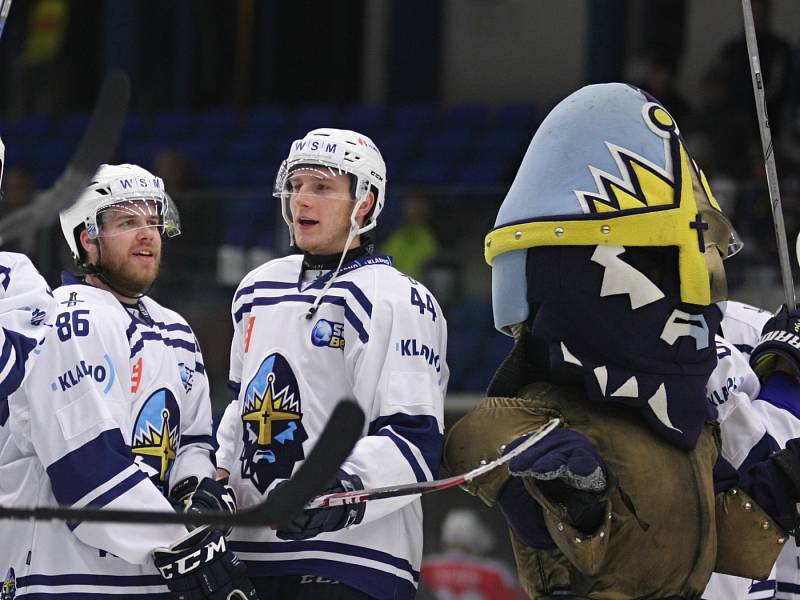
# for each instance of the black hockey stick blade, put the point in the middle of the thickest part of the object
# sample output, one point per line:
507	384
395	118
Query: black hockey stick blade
341	433
95	148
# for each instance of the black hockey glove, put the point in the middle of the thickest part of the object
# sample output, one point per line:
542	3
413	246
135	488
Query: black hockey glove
780	338
310	523
200	566
208	495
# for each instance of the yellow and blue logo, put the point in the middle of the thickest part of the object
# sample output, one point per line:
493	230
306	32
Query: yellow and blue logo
156	435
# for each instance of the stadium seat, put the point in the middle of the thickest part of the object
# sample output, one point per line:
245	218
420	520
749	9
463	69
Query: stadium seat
217	123
521	116
365	118
171	125
313	117
412	117
72	126
246	148
266	119
466	116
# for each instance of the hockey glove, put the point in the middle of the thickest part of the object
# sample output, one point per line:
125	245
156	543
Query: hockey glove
310	523
209	495
569	472
780	338
200	566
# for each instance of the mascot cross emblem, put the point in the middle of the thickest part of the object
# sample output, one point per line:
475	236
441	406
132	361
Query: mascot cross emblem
161	446
264	413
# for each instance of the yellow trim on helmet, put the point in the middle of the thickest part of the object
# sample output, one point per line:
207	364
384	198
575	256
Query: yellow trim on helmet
660	226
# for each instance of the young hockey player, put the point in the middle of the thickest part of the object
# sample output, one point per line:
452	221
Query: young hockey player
607	268
310	329
116	414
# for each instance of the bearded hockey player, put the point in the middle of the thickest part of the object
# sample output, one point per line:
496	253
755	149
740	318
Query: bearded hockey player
309	329
607	269
116	414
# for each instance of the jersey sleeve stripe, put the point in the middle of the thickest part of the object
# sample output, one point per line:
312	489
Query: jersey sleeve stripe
16	349
760	452
420	430
405	450
199	367
154	335
264	285
83	470
196	439
235	387
112	494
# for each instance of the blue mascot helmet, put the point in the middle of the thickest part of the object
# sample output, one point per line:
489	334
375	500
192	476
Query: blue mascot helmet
608	167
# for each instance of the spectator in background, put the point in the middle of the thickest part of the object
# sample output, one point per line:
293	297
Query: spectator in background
17	192
38	68
412	245
732	65
464	571
659	81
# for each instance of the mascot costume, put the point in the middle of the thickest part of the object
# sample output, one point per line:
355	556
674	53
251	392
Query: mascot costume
607	270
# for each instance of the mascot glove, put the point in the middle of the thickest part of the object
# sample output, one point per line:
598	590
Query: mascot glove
780	338
563	455
200	566
310	523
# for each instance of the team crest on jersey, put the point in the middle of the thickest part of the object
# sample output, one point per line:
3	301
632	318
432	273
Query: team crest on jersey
328	334
9	589
156	435
273	432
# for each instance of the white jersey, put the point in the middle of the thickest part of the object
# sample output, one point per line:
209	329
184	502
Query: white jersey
752	426
114	412
26	316
379	337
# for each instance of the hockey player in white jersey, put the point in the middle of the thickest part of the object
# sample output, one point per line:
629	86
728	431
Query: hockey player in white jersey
116	414
309	330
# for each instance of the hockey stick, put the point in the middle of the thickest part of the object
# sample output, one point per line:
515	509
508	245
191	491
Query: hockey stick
96	147
332	448
769	155
393	491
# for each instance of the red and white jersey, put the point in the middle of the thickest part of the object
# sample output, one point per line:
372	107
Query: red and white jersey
460	576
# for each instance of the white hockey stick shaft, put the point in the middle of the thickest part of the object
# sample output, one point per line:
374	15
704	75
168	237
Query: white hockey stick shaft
409	489
769	155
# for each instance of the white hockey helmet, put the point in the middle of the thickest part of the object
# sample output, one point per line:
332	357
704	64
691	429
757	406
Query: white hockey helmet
122	188
343	152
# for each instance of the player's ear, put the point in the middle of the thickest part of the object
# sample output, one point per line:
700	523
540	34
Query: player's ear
88	245
365	208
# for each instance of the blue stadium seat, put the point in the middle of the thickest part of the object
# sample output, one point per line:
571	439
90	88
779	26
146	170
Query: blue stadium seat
223	175
483	172
137	125
452	143
466	116
365	118
172	124
266	119
313	117
32	127
247	148
140	152
396	147
523	116
202	151
415	116
71	126
434	171
217	123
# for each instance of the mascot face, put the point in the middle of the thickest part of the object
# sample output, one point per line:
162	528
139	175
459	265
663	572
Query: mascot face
609	245
273	432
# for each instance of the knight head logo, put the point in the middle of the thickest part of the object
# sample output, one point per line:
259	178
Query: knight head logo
156	435
273	431
9	589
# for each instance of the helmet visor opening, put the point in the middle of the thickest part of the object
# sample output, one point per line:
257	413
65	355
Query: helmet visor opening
120	216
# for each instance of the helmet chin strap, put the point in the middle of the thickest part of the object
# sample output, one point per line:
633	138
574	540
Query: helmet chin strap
355	229
96	270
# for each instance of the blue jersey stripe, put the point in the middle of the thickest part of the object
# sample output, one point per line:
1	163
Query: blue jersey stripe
235	387
86	468
786	586
115	492
196	439
377	584
199	367
760	586
5	276
16	347
327	546
86	595
781	391
420	430
406	452
154	335
759	452
265	285
356	291
744	348
89	579
4	411
307	299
